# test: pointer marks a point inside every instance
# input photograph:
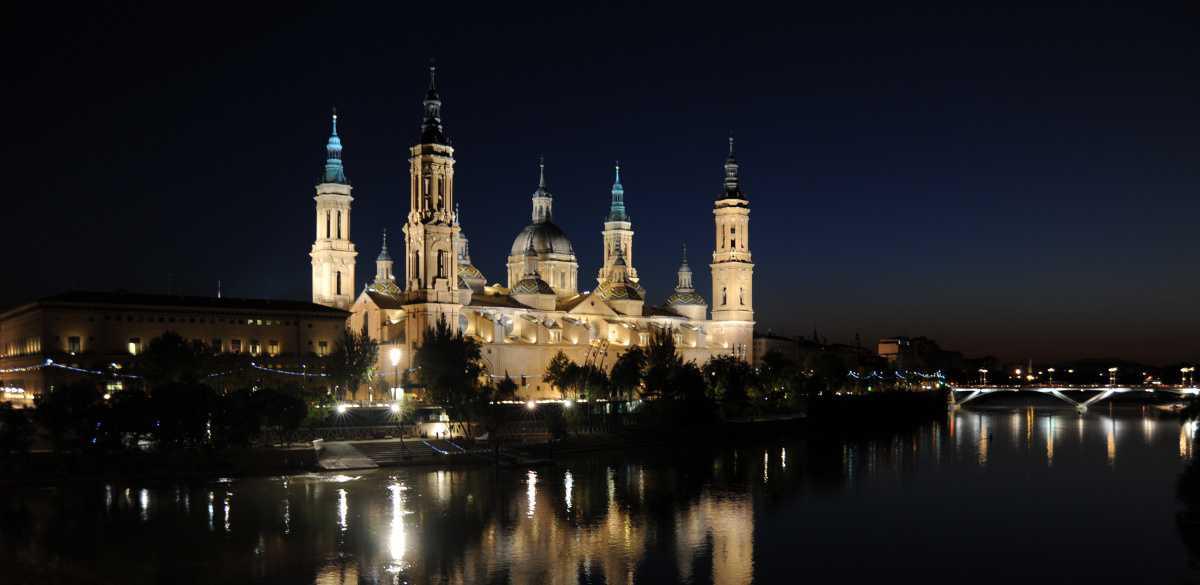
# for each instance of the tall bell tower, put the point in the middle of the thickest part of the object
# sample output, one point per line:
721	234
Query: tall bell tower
333	253
618	233
732	269
431	232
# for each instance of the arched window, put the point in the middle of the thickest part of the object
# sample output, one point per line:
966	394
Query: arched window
441	268
328	221
338	283
723	296
339	224
741	296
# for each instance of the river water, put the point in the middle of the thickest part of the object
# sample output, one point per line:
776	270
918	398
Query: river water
1014	495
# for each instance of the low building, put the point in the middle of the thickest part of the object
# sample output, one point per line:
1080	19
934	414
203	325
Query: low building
50	340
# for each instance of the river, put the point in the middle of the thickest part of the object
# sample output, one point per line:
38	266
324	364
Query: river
1006	495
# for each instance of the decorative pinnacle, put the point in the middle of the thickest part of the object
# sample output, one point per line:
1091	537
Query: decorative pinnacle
731	144
335	121
685	252
432	73
618	167
541	172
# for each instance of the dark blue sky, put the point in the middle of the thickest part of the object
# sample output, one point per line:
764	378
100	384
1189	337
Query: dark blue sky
1022	182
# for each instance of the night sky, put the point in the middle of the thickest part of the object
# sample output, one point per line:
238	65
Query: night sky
1023	183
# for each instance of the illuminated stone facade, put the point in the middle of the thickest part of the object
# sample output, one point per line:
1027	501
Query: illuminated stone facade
332	252
540	310
95	331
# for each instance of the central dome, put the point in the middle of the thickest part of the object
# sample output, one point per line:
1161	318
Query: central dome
547	238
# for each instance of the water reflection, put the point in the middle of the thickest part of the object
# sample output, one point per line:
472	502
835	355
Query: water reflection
763	513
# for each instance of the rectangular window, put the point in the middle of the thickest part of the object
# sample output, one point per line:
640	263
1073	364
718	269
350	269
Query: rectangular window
135	345
555	336
273	347
255	347
215	346
643	338
322	348
235	345
73	346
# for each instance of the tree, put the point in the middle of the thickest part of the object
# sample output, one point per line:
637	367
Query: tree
561	372
183	415
171	359
16	431
627	373
497	416
449	365
69	413
729	379
661	363
128	418
774	375
353	361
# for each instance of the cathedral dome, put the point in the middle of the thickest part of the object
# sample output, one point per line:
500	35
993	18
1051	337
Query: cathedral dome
685	298
532	285
546	237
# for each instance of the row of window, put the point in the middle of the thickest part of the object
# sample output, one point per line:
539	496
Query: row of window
202	320
254	347
27	346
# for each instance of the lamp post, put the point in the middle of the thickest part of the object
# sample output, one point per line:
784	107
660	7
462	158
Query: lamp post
1186	375
394	355
1112	376
983	376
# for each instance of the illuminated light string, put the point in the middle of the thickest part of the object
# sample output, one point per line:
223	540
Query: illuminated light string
899	375
49	363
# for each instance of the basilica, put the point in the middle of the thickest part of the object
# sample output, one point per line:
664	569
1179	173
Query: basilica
540	309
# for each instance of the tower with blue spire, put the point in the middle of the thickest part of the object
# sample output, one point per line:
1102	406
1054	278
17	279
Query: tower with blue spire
334	172
333	254
618	233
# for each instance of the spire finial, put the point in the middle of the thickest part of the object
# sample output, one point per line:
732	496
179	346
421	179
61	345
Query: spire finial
685	252
385	238
541	172
334	173
432	73
731	144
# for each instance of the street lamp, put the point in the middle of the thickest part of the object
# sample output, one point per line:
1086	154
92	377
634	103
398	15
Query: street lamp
1186	375
983	376
1112	376
394	355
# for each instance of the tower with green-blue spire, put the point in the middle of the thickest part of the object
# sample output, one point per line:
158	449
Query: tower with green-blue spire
333	253
618	232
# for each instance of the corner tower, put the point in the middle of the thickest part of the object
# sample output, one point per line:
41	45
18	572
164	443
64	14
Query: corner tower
618	233
333	253
431	232
732	269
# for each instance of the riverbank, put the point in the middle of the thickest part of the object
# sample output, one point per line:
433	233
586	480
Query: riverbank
839	415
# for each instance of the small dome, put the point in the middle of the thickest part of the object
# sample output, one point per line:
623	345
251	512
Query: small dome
469	271
532	285
686	298
546	237
618	291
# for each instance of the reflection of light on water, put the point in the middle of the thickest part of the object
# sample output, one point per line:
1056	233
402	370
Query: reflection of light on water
568	484
227	506
783	458
397	536
287	516
1016	428
343	508
984	436
144	504
108	496
612	485
1050	440
211	497
1080	428
1148	428
441	484
1029	426
1111	441
531	491
766	466
1186	432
